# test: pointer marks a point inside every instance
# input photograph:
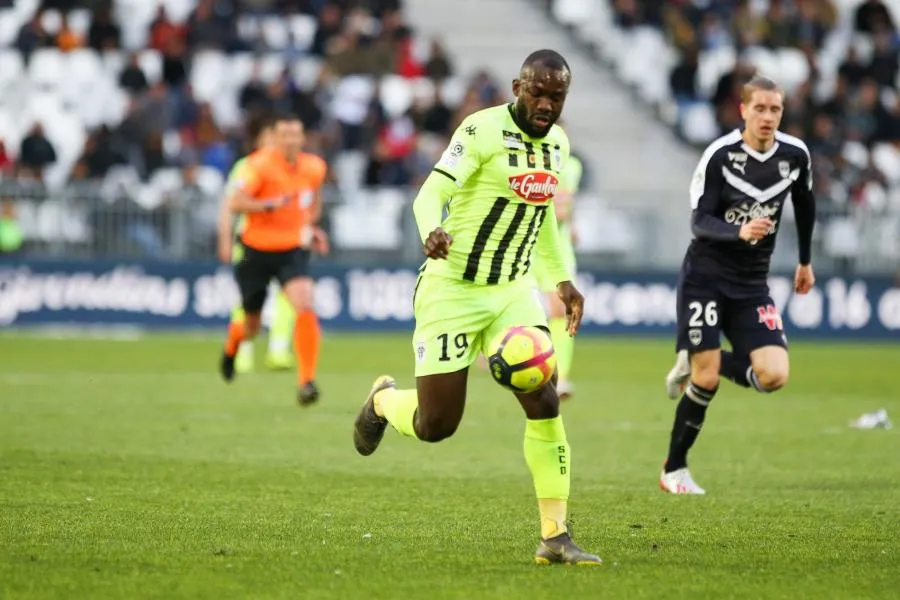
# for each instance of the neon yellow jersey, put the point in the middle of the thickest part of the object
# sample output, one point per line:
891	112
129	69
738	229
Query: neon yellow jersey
507	181
234	176
568	188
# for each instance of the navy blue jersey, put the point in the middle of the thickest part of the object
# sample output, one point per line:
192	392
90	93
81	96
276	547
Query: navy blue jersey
734	184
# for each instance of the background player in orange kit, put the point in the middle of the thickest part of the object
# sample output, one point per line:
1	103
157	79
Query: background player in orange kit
279	192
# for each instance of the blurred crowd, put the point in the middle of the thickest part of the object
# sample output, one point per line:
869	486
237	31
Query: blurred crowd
165	125
843	116
161	118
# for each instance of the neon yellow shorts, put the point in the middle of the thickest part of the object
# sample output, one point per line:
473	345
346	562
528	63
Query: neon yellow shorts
456	320
544	281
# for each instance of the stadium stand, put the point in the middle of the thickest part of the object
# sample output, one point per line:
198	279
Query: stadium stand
836	59
119	118
142	103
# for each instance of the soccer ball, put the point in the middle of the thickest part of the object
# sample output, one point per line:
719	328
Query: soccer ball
521	358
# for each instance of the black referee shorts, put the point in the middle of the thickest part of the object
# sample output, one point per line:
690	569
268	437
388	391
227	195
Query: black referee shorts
257	268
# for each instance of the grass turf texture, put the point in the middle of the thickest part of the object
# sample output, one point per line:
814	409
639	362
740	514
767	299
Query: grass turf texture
128	470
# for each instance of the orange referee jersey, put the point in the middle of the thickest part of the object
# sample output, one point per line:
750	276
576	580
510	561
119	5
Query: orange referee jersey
268	176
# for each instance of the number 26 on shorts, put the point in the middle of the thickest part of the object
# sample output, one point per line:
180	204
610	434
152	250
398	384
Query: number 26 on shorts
703	314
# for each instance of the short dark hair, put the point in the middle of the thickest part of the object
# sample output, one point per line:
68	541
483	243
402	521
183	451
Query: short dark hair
286	117
759	82
256	124
547	58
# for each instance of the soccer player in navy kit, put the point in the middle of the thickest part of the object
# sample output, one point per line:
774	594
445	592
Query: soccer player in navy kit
737	194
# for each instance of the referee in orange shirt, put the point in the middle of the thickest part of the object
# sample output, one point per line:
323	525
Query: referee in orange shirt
279	192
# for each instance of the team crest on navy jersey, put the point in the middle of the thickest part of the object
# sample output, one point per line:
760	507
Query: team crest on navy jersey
784	169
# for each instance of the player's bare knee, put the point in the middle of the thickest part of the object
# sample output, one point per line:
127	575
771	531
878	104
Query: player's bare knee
772	378
435	428
542	403
708	380
705	367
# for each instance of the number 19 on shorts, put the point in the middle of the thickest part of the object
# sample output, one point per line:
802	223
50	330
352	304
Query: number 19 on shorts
460	341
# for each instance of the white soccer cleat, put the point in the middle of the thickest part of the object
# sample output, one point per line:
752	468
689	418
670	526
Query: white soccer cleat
679	482
678	377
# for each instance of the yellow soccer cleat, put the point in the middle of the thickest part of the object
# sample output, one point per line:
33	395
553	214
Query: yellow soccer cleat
244	359
369	427
279	361
561	550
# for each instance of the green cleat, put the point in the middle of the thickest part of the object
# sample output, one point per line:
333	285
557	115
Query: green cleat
369	427
561	550
279	361
244	359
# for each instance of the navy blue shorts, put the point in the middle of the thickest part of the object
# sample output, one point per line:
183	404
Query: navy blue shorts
705	314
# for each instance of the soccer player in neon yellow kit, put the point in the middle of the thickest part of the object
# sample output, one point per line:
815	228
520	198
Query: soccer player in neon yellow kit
563	343
260	130
499	174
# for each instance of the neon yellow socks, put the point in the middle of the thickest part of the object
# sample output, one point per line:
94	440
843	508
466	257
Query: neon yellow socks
281	326
399	408
547	453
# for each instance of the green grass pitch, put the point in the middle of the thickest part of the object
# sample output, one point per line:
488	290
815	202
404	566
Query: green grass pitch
128	470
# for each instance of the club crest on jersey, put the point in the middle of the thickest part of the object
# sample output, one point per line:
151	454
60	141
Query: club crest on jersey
534	187
784	169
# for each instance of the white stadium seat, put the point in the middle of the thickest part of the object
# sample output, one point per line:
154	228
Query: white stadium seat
207	74
271	66
12	68
306	72
275	32
396	95
240	70
698	124
303	31
151	62
9	27
80	21
45	69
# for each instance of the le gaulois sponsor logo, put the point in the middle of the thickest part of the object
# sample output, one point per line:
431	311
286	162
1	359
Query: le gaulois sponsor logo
534	187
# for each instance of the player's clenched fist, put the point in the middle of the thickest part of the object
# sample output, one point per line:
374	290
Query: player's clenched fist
755	230
437	244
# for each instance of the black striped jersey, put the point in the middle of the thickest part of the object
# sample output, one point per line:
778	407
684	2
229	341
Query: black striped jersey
734	184
506	182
